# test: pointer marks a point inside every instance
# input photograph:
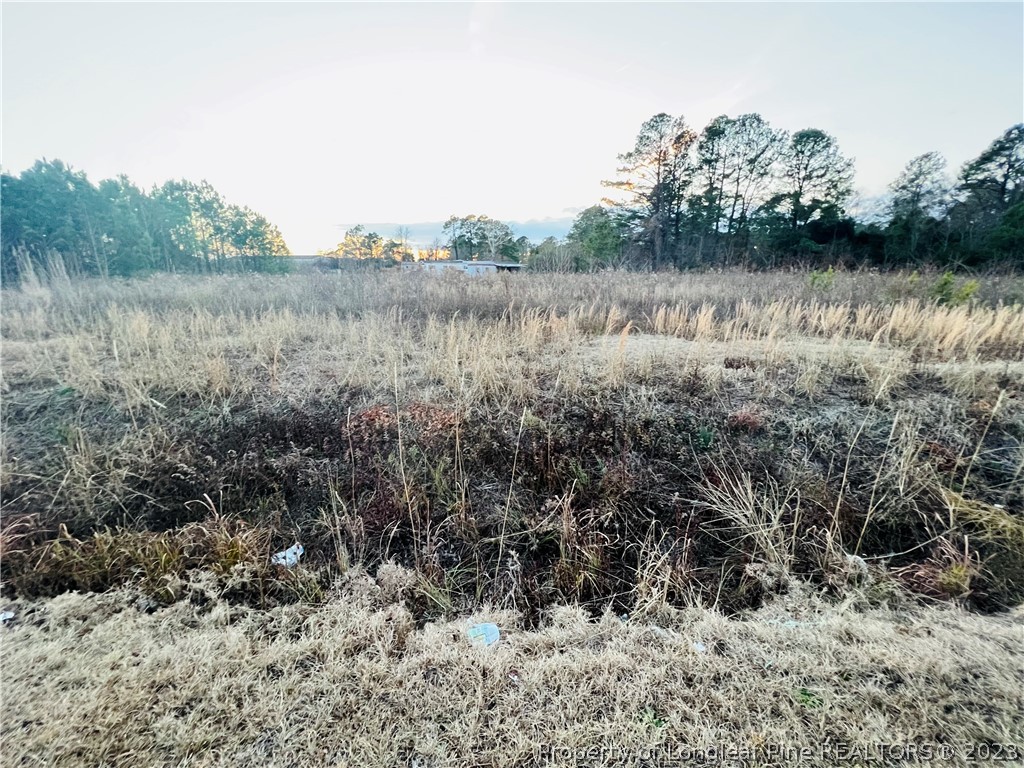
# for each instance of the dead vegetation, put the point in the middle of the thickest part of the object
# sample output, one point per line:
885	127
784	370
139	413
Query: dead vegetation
723	445
522	440
90	680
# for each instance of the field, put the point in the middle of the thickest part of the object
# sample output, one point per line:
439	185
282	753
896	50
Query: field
722	508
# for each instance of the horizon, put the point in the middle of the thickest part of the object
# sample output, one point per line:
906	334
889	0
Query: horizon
324	116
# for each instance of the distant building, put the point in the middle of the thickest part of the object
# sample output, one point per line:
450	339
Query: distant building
326	263
306	263
466	267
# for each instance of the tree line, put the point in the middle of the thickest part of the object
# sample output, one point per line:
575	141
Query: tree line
476	237
360	244
114	228
741	192
471	238
738	193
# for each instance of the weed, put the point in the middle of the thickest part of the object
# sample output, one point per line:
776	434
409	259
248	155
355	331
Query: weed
652	719
822	280
946	291
807	698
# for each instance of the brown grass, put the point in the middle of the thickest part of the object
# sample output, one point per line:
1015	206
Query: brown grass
678	448
88	680
376	416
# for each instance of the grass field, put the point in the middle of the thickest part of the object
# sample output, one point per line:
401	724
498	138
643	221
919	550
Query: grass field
818	478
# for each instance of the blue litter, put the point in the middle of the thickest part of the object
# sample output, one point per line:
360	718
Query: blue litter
483	634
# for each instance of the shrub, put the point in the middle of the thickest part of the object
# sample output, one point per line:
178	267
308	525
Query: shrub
822	281
945	291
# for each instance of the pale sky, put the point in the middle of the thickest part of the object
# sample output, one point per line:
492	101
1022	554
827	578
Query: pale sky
319	115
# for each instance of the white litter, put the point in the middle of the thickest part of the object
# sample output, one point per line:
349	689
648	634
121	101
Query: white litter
792	623
289	558
6	616
664	634
699	647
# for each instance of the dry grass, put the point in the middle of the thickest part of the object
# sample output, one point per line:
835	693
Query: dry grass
680	448
133	349
88	680
435	420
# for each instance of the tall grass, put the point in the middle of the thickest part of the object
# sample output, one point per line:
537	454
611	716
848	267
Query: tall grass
525	439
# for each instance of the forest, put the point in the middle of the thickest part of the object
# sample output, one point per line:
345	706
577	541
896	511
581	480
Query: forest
742	193
52	211
739	193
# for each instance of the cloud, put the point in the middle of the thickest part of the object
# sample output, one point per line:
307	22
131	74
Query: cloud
480	21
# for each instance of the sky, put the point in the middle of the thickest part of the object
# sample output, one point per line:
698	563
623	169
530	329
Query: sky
321	115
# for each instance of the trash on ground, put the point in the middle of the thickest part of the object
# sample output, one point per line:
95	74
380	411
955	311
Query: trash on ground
289	558
6	616
792	623
857	567
146	604
699	647
483	634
